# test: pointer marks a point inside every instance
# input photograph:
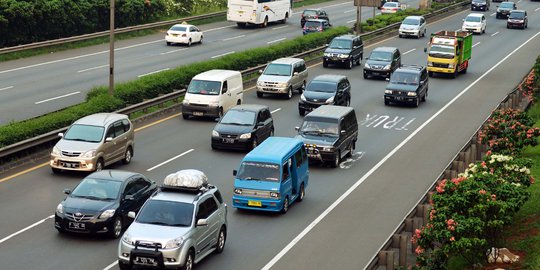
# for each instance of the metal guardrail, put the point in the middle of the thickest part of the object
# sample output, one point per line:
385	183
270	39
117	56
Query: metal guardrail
42	44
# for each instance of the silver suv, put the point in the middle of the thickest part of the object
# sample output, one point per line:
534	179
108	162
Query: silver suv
413	26
282	76
93	142
178	226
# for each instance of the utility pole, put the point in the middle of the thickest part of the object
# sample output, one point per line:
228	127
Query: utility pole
111	49
358	20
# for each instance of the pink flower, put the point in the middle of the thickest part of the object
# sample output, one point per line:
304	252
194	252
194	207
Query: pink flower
488	153
419	250
452	239
441	186
482	192
493	197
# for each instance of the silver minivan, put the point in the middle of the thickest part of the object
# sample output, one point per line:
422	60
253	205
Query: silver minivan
282	76
93	142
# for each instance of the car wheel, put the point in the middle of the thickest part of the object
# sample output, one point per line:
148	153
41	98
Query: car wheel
99	165
418	36
365	76
116	228
265	23
285	207
188	265
185	116
350	149
417	102
221	240
454	75
168	43
302	193
483	31
260	94
271	133
285	19
302	112
324	63
424	33
430	73
220	112
124	266
238	102
289	93
241	25
189	43
400	36
55	170
254	143
128	155
348	102
200	40
424	97
350	64
386	102
335	162
302	88
61	230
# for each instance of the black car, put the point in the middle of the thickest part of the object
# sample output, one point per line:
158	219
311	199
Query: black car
408	85
346	49
101	201
480	5
503	10
325	90
243	127
382	62
517	18
316	13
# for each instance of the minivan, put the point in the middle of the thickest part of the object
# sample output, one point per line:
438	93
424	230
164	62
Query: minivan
212	93
282	76
329	133
382	61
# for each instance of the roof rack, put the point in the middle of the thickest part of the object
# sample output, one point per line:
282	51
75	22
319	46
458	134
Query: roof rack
191	181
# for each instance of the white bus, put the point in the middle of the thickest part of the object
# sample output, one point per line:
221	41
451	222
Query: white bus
259	12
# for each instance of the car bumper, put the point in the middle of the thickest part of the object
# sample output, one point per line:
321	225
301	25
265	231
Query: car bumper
515	24
441	70
177	39
377	73
484	8
93	226
503	15
309	106
408	33
231	143
315	154
272	90
196	110
265	204
401	99
336	60
472	29
73	163
168	258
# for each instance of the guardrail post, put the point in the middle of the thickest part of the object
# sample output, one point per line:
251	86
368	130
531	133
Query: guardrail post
450	174
386	258
403	243
458	166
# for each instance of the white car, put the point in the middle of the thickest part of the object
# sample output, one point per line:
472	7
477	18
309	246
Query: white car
474	22
183	33
391	7
414	26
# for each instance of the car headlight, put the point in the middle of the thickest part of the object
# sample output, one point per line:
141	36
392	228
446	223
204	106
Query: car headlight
185	101
343	56
412	94
328	148
60	209
366	65
215	133
330	100
450	65
107	214
213	104
89	154
126	238
282	85
430	64
388	91
259	83
274	194
302	97
387	66
177	242
237	191
245	136
55	151
327	54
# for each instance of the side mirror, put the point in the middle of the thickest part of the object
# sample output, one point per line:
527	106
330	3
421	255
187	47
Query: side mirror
61	135
367	58
425	50
342	132
108	139
234	172
463	19
260	71
217	119
67	191
131	214
297	128
326	44
202	222
295	73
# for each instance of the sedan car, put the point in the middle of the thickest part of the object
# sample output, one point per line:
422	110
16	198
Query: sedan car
183	33
325	90
480	5
517	18
313	13
243	127
474	22
101	201
413	26
504	9
315	25
390	7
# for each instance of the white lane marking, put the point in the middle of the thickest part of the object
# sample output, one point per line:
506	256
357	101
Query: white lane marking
220	55
153	72
219	28
493	14
380	163
6	88
279	27
334	5
494	33
409	51
347	163
277	40
62	96
475	44
276	110
173	51
519	1
25	229
350	10
537	9
351	21
231	38
378	13
110	266
88	69
171	159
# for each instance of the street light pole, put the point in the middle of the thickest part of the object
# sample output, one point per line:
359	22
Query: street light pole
111	49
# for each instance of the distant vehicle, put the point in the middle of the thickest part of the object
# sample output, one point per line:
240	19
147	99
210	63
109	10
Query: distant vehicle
408	85
101	201
313	13
382	61
180	225
391	7
183	33
243	127
325	90
272	176
283	76
345	49
258	12
517	18
384	2
413	26
503	10
449	52
93	142
480	5
315	25
475	23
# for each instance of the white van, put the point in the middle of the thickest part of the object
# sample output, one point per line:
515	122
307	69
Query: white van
212	93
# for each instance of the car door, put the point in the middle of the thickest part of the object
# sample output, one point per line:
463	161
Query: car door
196	33
483	22
303	73
338	99
295	80
396	61
267	122
127	198
346	92
422	25
226	95
206	235
120	140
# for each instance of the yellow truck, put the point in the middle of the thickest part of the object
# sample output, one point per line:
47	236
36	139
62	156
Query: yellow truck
449	52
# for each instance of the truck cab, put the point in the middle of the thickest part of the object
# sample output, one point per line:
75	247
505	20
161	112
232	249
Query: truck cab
449	52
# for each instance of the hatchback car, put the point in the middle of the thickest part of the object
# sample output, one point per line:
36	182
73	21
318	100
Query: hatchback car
474	22
517	18
413	26
503	10
345	49
243	127
315	13
184	34
480	5
181	224
325	90
315	25
101	201
408	85
93	142
390	7
382	62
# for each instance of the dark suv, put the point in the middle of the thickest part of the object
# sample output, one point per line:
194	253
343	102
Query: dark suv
325	90
382	62
408	84
346	49
317	13
480	5
503	10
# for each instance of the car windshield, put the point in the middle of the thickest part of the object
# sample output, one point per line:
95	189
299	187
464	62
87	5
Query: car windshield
517	15
178	28
310	127
258	171
204	87
278	70
237	117
411	21
340	44
380	56
472	19
310	13
479	1
404	78
506	5
391	4
166	213
442	51
84	133
312	24
97	189
321	86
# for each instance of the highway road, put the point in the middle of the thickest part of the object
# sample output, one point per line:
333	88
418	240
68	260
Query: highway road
38	85
348	213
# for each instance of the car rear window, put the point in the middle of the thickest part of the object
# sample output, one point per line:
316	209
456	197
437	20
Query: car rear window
310	12
179	28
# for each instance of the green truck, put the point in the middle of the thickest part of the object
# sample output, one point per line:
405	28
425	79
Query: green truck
449	52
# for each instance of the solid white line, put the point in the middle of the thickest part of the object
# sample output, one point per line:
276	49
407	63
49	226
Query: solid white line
277	40
231	38
279	27
153	72
475	44
494	34
6	88
170	159
111	265
409	51
350	10
351	21
276	110
519	1
493	14
62	96
537	9
334	5
218	28
173	51
380	163
25	229
88	69
220	55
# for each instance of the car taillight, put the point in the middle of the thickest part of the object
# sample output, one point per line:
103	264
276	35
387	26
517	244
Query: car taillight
184	35
320	29
316	16
304	28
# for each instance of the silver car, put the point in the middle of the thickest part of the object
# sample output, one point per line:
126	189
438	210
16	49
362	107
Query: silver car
413	26
178	226
93	142
282	76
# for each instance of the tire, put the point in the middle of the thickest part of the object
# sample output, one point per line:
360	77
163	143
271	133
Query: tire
302	88
189	43
418	36
324	63
335	162
272	133
350	150
285	207
289	93
61	231
128	155
124	266
424	33
430	73
168	43
417	103
99	165
483	31
254	143
507	26
348	102
185	116
302	194
260	94
116	228
56	171
454	75
365	76
386	102
222	237
200	40
400	36
238	102
220	113
301	112
285	19
241	25
189	261
359	61
424	97
350	64
265	23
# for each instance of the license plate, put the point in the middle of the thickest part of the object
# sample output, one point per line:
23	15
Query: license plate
228	140
313	156
255	203
375	73
240	11
77	225
399	98
145	261
67	165
198	113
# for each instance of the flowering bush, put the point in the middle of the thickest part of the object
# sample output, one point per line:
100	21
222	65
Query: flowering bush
529	88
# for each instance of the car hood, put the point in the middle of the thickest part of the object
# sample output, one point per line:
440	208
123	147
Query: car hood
155	233
201	99
409	27
317	140
273	78
472	24
76	146
504	9
256	184
401	87
232	129
377	63
317	96
335	50
83	205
